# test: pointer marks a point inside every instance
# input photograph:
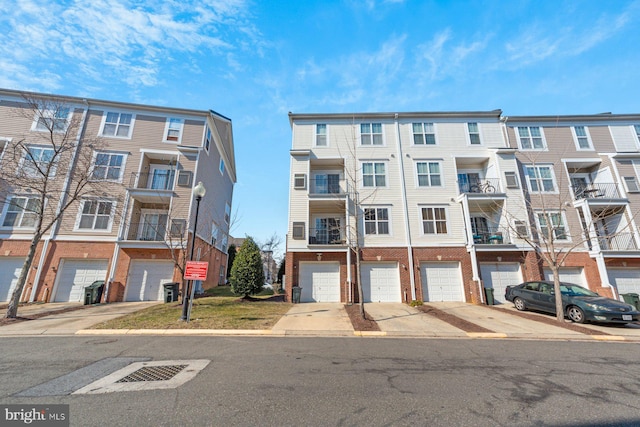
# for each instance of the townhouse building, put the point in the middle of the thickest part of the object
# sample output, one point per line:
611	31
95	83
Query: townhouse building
437	206
134	230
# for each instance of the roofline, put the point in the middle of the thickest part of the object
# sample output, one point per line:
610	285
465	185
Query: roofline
401	115
84	100
601	117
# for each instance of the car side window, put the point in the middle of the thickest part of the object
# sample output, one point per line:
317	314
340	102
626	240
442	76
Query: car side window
533	286
545	288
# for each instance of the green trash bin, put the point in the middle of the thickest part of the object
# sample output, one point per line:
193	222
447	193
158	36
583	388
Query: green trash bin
295	294
488	293
632	298
93	292
171	292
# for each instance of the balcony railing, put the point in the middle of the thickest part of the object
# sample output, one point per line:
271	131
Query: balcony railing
618	242
486	185
491	236
327	236
596	191
323	185
150	232
152	180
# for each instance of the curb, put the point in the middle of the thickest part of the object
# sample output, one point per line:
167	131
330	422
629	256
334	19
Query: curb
370	333
175	332
486	335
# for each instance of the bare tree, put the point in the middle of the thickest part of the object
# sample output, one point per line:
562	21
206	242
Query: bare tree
47	171
268	249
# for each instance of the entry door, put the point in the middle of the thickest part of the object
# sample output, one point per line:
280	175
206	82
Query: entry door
328	184
161	177
327	230
580	183
153	227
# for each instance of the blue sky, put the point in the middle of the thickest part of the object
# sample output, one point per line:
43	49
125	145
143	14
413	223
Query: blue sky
255	61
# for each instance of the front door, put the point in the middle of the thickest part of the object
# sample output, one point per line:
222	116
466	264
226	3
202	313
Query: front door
327	230
153	227
161	177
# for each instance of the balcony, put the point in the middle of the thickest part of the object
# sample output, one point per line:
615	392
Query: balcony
480	186
618	242
491	236
156	231
327	236
596	191
152	187
327	186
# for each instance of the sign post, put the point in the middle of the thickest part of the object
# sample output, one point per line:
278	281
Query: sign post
195	270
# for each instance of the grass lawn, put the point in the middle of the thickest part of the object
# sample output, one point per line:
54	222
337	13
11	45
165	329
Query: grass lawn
220	310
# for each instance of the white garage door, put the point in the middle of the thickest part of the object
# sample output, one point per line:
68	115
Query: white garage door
10	269
625	279
320	282
441	281
380	282
75	275
146	278
567	274
498	276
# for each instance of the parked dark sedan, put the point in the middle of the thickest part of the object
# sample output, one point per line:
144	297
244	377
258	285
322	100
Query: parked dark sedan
579	304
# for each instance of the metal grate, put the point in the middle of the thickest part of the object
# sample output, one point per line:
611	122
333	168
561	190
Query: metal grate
153	373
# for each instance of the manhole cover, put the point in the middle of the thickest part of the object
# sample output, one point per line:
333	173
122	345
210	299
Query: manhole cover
153	373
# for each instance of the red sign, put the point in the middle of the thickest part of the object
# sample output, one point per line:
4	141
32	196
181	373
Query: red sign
196	270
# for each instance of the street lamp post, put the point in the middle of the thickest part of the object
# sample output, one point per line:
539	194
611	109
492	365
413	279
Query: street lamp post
199	192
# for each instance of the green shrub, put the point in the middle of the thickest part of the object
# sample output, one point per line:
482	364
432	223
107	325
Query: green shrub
247	276
416	302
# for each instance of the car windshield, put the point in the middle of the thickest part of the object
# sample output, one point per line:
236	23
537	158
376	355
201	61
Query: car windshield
575	290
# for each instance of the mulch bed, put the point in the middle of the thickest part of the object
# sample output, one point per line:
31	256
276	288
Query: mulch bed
547	320
360	324
452	320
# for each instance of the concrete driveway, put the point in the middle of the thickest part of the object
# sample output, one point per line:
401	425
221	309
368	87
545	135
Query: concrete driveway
321	318
402	320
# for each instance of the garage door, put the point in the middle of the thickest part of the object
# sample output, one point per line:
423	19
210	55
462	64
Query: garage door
625	279
320	282
498	276
567	274
380	282
10	269
441	281
145	280
75	275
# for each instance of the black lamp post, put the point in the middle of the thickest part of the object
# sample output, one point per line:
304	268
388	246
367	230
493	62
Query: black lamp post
199	192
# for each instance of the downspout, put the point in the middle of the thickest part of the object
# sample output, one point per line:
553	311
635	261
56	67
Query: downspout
407	226
348	228
61	202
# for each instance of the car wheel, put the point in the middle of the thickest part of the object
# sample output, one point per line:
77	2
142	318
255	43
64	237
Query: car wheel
520	305
575	314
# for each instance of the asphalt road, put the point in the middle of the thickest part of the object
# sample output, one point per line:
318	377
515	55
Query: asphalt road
271	381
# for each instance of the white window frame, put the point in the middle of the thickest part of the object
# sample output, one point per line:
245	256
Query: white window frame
376	221
300	181
539	180
118	124
24	166
319	126
530	137
208	137
428	174
109	153
223	246
372	134
227	213
221	166
576	138
477	132
564	224
374	174
52	114
511	175
434	221
5	211
631	188
422	132
170	125
214	235
80	214
636	130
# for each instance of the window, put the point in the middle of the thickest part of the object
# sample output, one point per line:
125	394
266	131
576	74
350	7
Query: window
434	221
118	125
373	175
512	179
108	167
55	120
178	228
221	167
214	234
39	162
174	130
22	212
371	133
298	231
300	181
540	178
531	138
474	133
207	139
637	129
327	183
424	134
582	138
632	184
227	213
224	244
429	174
552	222
95	215
376	221
321	135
